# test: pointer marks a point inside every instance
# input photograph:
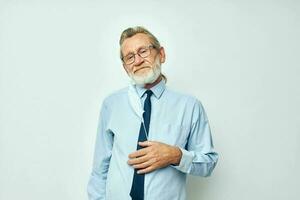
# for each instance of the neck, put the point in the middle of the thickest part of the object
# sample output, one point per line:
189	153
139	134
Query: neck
150	85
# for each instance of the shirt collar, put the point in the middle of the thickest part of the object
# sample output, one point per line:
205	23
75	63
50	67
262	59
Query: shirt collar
157	89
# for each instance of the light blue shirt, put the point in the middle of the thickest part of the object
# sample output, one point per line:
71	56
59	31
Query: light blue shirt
176	119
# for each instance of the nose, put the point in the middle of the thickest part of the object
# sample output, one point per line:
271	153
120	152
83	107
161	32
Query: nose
138	59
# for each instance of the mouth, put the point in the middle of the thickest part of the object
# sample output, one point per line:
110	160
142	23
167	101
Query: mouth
140	69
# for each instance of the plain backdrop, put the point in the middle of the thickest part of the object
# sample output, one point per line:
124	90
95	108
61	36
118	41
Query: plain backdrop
60	59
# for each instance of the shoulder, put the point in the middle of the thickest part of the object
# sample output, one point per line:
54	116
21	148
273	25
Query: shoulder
183	96
190	103
115	96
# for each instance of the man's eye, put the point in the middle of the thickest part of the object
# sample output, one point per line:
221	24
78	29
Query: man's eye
142	50
129	57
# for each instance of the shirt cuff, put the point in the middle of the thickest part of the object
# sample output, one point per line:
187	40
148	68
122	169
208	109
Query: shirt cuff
186	161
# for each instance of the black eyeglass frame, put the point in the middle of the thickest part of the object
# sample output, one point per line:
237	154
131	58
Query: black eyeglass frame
147	48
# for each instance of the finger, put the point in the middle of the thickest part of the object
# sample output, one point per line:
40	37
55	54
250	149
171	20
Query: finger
145	164
138	153
146	170
138	160
146	143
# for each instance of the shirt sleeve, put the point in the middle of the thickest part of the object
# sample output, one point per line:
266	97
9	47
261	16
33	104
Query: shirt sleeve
104	142
198	156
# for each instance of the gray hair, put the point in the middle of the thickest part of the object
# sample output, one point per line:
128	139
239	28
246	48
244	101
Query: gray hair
131	31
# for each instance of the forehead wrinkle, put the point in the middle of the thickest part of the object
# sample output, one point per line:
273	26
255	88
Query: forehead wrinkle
135	42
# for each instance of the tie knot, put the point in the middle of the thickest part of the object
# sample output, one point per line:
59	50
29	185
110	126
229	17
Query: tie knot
149	93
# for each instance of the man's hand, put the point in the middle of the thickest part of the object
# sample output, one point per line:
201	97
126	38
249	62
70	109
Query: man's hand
153	156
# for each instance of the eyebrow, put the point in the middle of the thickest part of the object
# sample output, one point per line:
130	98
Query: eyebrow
132	52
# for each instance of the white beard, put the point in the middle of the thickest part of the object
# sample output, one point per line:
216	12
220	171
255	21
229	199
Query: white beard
150	76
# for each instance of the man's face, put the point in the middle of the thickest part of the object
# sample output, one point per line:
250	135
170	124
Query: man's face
142	70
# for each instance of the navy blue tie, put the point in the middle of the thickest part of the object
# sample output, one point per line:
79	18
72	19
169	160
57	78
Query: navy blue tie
137	188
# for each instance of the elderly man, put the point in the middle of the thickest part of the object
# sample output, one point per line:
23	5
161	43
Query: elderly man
149	137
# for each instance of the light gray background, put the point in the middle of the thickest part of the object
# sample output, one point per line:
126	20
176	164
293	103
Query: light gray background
59	59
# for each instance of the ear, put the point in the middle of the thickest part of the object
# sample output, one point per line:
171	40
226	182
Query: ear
162	55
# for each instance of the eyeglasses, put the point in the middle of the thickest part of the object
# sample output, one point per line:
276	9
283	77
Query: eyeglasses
142	52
